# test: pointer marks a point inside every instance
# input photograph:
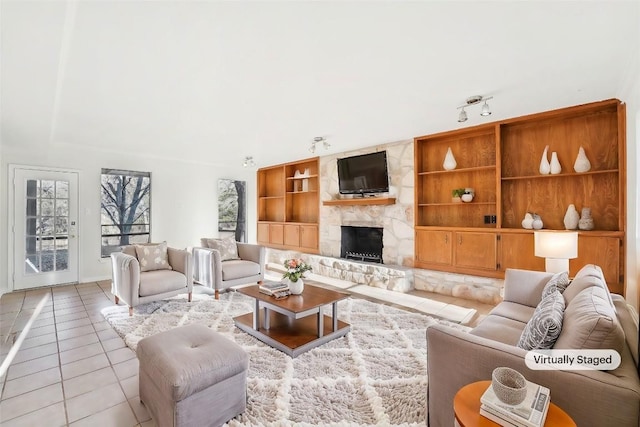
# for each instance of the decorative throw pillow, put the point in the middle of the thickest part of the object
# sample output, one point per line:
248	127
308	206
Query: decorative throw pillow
153	257
558	282
545	325
227	247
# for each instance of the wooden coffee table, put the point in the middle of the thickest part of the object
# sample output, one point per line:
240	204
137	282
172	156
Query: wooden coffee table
294	324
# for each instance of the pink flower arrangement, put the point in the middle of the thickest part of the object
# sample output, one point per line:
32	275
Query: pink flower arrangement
295	269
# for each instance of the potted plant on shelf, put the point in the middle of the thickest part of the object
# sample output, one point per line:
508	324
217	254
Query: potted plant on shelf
456	193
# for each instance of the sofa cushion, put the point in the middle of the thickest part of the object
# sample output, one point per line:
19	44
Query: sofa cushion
500	329
525	286
161	281
227	247
558	282
511	310
235	269
153	257
545	325
589	275
590	322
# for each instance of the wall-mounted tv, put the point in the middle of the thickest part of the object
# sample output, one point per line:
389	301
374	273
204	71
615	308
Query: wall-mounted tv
366	173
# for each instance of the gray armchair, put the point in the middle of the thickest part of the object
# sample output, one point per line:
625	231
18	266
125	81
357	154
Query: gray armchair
136	287
209	269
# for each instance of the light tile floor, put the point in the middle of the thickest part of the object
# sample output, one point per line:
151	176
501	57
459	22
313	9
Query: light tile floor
74	370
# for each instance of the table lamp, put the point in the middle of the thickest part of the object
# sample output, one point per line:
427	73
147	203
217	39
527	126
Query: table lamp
557	247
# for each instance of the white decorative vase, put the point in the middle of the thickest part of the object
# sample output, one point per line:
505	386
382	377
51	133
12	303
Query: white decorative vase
571	218
305	184
582	163
527	222
449	161
586	221
545	168
537	222
466	197
555	164
296	287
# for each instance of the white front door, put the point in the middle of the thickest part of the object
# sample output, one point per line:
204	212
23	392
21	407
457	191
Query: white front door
45	224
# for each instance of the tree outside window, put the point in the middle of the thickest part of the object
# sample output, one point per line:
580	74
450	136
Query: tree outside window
125	209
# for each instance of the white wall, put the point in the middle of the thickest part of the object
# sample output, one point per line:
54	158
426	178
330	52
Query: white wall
183	200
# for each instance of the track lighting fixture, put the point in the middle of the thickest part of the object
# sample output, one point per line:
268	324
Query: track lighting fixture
473	100
317	140
248	161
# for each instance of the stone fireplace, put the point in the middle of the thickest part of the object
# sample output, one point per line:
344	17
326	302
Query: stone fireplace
361	243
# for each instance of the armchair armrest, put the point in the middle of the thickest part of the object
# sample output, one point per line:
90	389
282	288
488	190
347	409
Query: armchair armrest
251	252
207	269
525	286
125	275
457	358
180	260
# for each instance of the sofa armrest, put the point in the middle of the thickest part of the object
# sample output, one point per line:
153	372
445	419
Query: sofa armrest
251	252
456	358
125	277
180	260
524	286
207	267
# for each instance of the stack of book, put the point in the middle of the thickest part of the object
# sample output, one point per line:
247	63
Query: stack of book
275	289
532	412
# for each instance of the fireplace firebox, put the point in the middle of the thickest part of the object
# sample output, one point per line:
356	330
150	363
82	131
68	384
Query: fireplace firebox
361	243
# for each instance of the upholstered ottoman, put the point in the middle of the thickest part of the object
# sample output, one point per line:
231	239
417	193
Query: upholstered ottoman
192	376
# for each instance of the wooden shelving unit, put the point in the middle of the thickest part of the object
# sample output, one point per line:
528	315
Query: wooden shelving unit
288	205
500	161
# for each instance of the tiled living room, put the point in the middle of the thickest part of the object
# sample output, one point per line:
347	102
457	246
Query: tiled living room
415	155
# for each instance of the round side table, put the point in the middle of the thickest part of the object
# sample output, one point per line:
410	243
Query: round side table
466	406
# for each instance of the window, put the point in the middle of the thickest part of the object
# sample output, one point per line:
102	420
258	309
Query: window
125	209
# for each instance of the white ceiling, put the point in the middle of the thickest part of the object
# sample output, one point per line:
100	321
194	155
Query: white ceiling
214	81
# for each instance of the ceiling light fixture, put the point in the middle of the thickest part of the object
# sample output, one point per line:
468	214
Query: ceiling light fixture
317	140
248	161
473	100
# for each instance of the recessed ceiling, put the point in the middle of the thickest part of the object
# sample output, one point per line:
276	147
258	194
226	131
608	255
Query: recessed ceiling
222	80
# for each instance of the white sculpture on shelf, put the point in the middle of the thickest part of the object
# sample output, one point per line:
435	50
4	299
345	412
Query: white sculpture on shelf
555	167
449	161
582	163
545	167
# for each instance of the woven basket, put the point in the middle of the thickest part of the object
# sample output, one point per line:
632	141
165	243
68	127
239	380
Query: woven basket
509	385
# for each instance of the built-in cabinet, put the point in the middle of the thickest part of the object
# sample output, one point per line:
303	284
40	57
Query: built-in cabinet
288	205
500	161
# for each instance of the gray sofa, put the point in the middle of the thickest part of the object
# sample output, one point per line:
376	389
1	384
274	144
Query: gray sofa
593	318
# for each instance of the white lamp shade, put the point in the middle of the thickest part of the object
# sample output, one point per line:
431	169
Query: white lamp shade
556	244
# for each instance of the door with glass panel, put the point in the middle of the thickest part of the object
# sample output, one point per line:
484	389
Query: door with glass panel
45	228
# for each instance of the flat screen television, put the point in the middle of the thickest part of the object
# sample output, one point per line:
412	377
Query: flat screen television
366	173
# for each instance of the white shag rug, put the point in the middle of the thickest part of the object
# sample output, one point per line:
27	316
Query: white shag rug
375	375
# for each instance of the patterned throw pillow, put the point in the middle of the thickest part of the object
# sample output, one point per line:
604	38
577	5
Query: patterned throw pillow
227	247
558	282
153	257
545	325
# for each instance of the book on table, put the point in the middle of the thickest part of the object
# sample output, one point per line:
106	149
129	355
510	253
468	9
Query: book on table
272	288
532	412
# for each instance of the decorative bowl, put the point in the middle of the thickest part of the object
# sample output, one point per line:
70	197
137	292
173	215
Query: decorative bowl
467	197
509	385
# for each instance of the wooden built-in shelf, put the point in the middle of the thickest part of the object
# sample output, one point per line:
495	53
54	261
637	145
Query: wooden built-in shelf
474	169
302	177
456	203
568	174
360	202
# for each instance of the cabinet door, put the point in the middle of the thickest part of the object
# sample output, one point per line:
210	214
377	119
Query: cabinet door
434	247
517	251
475	250
601	251
276	234
263	233
309	236
292	235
